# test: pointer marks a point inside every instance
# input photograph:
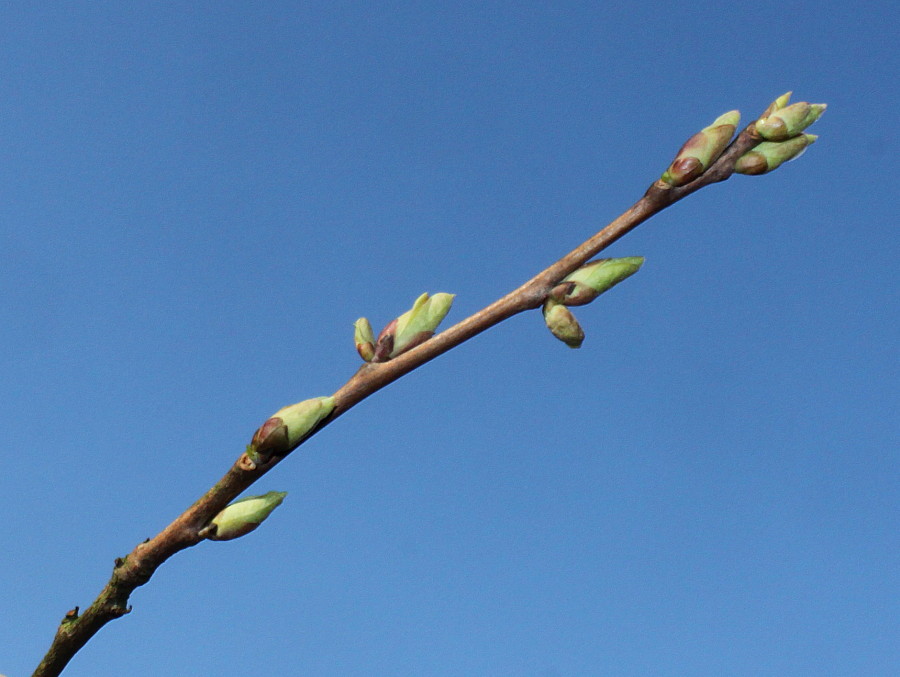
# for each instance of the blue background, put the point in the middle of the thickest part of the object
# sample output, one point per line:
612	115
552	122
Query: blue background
198	199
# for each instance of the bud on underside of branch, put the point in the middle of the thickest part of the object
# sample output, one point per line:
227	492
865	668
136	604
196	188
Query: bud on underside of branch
242	516
562	324
701	150
286	427
769	155
594	278
413	327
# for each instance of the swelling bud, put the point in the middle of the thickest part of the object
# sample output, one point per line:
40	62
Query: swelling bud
287	427
562	324
364	339
785	123
770	155
242	516
701	150
413	327
594	278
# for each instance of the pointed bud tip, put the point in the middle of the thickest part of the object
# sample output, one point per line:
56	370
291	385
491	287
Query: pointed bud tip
415	325
732	117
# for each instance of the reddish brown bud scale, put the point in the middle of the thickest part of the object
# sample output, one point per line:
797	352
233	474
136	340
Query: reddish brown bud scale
384	346
686	170
573	293
751	164
701	150
271	438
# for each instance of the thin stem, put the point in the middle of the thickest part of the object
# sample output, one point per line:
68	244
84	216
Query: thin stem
138	566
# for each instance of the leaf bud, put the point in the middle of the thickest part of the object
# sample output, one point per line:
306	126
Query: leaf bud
788	122
562	324
286	427
777	104
413	327
701	150
242	516
770	155
364	338
594	278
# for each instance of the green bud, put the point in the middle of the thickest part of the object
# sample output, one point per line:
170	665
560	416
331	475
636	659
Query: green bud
594	278
364	338
777	104
562	324
242	516
788	122
413	327
286	427
701	150
770	155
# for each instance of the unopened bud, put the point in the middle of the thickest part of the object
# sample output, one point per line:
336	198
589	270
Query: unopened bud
788	122
413	327
562	324
770	155
286	427
594	278
242	516
777	104
701	150
364	338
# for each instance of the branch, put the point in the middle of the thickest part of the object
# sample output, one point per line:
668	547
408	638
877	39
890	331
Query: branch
706	158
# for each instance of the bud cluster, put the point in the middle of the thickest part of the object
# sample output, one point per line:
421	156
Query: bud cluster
581	287
781	126
412	328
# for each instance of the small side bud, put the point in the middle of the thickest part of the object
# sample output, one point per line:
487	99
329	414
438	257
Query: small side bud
769	155
594	278
286	427
242	516
701	150
788	122
562	324
364	338
413	327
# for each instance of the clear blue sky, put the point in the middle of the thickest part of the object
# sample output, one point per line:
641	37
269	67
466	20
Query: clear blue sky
198	199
